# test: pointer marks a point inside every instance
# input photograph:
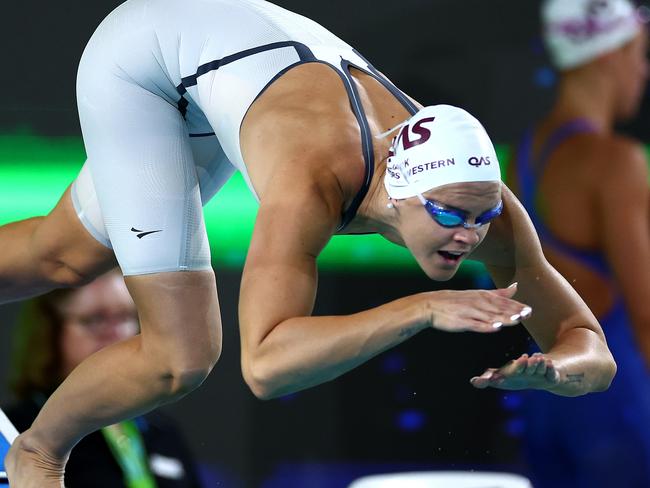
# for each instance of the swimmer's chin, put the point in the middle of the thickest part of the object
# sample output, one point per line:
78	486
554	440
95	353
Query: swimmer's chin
439	273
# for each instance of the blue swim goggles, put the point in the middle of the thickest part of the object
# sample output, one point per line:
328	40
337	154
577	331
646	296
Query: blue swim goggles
451	217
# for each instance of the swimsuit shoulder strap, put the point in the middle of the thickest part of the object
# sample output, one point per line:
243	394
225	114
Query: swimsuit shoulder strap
529	170
366	134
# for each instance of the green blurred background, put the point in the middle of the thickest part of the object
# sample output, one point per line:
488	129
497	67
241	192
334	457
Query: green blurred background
35	170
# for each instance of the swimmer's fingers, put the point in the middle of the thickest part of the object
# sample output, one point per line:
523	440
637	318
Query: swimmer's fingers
500	308
526	372
552	375
475	310
507	292
483	381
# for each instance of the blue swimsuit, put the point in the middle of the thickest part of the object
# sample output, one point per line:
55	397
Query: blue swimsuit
601	440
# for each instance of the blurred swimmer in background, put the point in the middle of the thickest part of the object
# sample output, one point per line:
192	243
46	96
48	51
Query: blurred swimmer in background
586	189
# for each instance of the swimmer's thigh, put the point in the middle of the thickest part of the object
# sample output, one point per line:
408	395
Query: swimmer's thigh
43	253
143	173
66	244
146	185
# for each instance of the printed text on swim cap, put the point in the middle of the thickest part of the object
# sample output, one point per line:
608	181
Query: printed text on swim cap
420	168
430	166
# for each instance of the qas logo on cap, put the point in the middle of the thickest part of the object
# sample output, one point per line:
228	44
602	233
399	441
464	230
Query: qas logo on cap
479	161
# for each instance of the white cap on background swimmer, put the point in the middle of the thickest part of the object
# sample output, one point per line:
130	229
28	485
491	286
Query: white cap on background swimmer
438	146
578	31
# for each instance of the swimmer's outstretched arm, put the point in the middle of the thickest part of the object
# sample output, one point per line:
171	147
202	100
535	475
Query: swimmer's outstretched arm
570	337
284	349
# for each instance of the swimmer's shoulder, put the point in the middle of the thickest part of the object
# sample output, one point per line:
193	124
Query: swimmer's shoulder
304	125
616	158
614	164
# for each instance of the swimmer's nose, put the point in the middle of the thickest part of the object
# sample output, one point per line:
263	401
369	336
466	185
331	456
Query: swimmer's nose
467	236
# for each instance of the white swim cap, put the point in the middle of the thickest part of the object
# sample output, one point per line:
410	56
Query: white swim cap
437	146
578	31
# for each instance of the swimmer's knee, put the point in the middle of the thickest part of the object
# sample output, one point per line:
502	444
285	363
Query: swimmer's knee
51	259
62	274
186	371
182	379
181	326
62	257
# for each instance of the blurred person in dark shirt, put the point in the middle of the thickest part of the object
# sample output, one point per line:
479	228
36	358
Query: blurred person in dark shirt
55	333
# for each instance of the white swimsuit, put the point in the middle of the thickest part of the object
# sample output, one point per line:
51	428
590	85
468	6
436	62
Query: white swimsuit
162	89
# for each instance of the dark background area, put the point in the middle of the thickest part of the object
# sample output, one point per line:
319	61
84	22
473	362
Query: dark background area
486	56
412	406
482	55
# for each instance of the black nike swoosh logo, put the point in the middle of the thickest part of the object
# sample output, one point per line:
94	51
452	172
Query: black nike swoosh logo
142	234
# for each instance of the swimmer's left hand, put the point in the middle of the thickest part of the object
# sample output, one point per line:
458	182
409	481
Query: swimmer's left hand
535	372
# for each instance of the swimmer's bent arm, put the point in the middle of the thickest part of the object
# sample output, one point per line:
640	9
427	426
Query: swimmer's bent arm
284	349
561	323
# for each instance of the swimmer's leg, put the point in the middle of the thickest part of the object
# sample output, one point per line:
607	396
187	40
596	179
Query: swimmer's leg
147	187
44	253
180	342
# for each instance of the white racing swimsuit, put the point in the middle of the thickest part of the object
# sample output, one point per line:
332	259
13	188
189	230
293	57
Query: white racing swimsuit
162	89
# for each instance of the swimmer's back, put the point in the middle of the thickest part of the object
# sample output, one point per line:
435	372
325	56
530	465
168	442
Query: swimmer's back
213	59
585	180
190	33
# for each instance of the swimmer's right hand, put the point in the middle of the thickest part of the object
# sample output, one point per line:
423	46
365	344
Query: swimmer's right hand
475	310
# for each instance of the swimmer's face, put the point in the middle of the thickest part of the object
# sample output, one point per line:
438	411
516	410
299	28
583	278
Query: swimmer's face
632	73
437	249
95	316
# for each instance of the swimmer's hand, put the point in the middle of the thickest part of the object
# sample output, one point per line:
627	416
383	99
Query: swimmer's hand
475	310
535	372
